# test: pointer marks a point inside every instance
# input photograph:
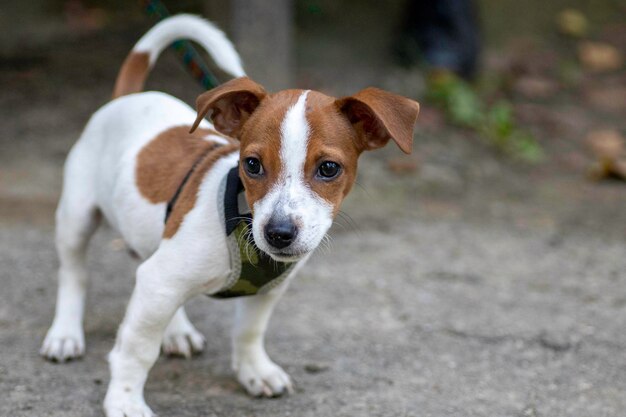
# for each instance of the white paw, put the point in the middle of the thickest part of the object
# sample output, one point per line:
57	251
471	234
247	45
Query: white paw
263	378
126	405
183	343
63	343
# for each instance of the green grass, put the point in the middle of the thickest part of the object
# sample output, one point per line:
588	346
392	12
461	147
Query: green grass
494	123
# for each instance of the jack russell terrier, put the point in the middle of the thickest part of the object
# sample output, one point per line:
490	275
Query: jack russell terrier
231	208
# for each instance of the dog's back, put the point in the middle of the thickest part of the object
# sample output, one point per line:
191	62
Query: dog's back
100	172
100	175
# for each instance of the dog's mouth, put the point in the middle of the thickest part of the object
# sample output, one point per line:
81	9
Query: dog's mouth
287	256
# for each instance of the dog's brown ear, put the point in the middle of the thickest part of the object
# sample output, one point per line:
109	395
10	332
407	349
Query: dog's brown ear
378	116
230	104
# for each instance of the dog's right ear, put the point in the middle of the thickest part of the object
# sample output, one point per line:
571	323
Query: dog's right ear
230	104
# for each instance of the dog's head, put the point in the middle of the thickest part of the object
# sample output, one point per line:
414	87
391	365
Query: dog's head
299	152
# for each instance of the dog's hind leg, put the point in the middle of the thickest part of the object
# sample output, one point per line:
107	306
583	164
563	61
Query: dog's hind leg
181	338
77	218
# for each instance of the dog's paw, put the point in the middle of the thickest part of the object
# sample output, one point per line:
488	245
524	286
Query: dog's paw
183	343
263	378
61	345
124	405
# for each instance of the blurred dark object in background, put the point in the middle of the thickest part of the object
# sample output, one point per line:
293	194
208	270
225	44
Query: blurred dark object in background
444	33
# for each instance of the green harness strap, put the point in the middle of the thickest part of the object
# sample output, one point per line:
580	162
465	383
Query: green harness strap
252	270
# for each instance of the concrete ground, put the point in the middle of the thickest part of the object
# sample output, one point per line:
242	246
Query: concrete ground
473	286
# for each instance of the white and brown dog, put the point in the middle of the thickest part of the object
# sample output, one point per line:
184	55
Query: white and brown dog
293	152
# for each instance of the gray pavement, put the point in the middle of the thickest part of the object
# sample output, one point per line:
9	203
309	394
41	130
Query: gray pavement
471	287
410	317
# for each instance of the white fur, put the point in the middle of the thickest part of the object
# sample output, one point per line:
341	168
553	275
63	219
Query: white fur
294	132
99	180
186	26
100	176
291	196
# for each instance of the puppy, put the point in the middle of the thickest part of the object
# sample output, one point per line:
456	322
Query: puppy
230	209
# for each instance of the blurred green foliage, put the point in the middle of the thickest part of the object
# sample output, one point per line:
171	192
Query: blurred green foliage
494	123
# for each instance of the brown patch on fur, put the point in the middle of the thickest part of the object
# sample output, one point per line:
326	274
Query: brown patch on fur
132	75
163	163
187	198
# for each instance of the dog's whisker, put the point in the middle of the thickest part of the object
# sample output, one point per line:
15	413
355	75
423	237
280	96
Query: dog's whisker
343	226
245	240
362	187
345	215
326	243
247	244
350	223
240	218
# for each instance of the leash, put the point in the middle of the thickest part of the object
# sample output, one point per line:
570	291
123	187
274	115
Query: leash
184	49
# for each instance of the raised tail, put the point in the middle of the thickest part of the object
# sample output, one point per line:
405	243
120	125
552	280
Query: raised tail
140	60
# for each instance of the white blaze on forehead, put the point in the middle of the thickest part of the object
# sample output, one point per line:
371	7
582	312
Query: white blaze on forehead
294	137
291	195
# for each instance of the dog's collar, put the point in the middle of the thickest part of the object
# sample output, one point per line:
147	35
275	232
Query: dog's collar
252	270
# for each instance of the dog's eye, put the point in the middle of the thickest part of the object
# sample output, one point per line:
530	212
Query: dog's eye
253	167
328	170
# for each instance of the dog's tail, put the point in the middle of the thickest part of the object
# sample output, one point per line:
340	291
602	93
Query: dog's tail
138	63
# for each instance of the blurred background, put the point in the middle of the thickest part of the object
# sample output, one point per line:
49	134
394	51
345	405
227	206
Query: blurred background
545	94
485	274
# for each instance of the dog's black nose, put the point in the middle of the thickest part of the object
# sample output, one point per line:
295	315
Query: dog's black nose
280	233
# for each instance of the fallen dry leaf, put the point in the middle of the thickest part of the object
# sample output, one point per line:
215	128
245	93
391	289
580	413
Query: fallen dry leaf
609	148
606	143
619	168
599	57
609	170
572	22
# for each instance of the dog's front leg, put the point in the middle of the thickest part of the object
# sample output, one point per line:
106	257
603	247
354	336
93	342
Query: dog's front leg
255	370
155	299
